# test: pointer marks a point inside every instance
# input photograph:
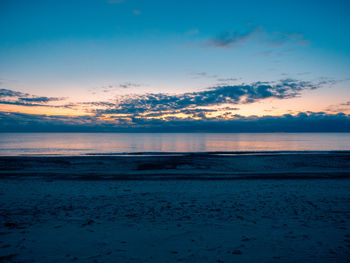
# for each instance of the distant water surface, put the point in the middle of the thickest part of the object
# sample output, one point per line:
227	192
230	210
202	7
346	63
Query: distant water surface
94	143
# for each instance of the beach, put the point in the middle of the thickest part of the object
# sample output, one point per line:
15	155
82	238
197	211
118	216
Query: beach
199	207
163	165
136	131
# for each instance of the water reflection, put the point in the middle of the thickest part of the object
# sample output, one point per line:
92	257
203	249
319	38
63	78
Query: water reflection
82	143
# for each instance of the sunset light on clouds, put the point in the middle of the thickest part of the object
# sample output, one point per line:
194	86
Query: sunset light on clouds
111	65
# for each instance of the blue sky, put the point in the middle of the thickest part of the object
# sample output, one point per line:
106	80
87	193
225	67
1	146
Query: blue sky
110	50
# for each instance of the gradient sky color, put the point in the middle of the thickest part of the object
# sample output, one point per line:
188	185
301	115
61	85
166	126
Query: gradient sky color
124	62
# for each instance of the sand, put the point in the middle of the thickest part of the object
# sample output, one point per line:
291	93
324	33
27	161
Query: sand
182	166
70	218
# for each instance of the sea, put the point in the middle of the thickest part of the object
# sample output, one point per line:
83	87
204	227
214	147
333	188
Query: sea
15	144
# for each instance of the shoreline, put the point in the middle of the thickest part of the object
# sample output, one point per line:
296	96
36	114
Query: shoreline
203	166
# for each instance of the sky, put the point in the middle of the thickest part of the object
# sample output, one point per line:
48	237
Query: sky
166	65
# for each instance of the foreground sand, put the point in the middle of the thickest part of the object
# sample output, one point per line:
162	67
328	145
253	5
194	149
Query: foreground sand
257	220
175	221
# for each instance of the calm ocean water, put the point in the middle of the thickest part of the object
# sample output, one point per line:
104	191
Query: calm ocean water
87	143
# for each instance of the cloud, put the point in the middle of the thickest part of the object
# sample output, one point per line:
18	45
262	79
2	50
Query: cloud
339	107
232	94
114	87
19	103
128	85
227	39
40	99
11	93
303	122
198	104
19	98
217	103
97	103
28	122
196	75
191	112
227	79
230	38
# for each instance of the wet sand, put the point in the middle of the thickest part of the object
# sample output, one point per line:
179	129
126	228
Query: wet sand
217	165
263	219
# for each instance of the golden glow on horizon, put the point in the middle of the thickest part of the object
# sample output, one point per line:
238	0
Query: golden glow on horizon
43	110
267	107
